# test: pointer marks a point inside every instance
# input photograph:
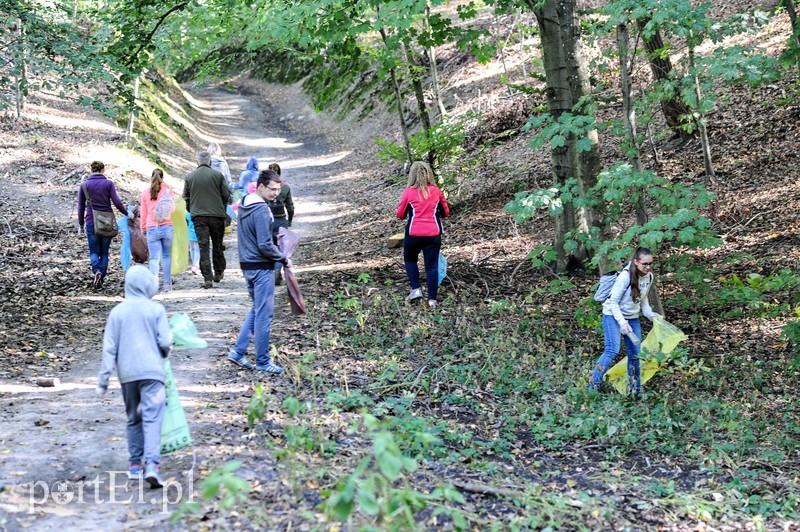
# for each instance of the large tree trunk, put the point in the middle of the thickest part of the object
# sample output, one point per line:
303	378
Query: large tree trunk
399	98
661	67
567	83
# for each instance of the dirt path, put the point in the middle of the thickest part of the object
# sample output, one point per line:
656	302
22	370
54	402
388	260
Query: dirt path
63	450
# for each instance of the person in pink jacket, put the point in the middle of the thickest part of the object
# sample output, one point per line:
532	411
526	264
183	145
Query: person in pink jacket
423	205
156	215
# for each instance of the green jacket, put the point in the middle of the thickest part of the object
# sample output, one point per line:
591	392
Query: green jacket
206	193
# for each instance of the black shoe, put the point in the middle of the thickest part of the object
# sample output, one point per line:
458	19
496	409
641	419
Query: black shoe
208	284
218	278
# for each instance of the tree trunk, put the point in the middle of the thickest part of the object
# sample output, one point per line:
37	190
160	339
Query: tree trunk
661	67
701	121
21	76
629	114
790	8
419	95
437	93
567	83
399	98
132	116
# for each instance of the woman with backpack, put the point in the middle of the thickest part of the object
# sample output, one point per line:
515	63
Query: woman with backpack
424	206
156	219
621	310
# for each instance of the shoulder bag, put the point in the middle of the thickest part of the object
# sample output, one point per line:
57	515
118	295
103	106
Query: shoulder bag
105	223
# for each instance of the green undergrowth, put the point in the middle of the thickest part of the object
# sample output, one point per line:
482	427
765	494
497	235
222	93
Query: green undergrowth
497	388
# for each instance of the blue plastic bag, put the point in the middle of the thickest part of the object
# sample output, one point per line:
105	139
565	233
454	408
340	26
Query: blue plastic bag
442	268
125	251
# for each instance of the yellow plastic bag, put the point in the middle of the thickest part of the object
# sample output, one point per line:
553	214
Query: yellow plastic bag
662	338
180	238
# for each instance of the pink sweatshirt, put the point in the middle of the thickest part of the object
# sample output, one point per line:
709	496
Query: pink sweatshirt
423	213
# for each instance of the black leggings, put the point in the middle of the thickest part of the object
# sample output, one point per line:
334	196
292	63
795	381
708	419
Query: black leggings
429	246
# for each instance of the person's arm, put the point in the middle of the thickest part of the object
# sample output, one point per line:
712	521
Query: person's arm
116	201
289	204
110	351
81	206
647	310
618	291
164	337
401	209
187	194
443	203
225	193
264	237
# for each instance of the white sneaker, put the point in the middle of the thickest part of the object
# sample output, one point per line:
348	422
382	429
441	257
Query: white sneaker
415	294
432	303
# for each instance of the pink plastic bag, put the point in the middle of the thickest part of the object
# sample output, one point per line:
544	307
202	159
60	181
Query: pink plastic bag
287	244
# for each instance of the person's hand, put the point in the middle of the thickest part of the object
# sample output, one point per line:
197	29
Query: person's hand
166	352
626	329
656	315
287	262
100	391
81	230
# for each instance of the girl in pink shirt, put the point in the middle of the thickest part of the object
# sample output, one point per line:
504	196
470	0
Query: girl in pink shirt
423	205
157	207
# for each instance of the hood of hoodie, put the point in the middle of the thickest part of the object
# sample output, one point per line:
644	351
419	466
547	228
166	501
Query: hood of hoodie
249	205
139	282
252	164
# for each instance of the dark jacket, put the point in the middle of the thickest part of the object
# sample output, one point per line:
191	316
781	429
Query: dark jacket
256	250
206	193
283	205
102	193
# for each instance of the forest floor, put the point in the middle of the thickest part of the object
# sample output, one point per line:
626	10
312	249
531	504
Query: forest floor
470	416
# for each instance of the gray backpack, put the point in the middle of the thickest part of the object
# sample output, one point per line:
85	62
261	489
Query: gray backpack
606	284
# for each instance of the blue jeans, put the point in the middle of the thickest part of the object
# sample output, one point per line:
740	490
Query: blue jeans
159	244
429	246
98	250
613	336
145	405
261	287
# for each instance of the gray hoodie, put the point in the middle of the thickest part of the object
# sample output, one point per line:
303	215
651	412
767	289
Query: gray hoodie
254	226
136	332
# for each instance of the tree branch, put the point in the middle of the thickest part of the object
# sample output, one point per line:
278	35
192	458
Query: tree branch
129	61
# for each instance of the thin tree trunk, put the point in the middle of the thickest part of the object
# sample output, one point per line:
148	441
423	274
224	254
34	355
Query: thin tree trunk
701	122
629	114
74	10
661	67
419	95
21	77
792	11
132	116
399	98
437	93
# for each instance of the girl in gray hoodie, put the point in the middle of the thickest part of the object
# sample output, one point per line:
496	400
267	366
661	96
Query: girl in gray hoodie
136	340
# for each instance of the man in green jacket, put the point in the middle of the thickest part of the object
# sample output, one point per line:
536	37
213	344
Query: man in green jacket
207	194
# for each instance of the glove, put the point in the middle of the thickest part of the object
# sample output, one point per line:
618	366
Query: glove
165	352
626	329
100	391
